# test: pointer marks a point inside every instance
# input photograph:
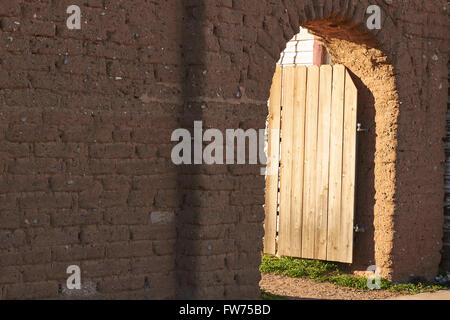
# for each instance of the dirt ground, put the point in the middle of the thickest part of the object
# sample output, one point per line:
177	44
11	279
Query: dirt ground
294	288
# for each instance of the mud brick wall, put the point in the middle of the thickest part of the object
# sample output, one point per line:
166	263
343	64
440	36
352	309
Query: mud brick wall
85	171
445	263
85	123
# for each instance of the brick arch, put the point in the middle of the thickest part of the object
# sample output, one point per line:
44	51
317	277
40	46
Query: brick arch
350	43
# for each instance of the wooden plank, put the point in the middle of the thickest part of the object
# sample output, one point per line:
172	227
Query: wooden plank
298	161
335	175
312	102
287	124
323	159
348	170
273	155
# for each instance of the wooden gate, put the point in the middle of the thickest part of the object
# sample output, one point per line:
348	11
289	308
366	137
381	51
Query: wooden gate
310	198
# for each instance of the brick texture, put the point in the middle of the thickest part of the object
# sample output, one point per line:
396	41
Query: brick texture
86	117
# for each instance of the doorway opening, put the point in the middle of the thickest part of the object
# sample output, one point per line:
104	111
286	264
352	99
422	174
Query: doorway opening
312	128
321	217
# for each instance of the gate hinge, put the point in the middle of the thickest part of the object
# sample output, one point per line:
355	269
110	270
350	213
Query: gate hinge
359	129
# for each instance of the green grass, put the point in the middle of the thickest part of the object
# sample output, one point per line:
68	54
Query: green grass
298	268
321	271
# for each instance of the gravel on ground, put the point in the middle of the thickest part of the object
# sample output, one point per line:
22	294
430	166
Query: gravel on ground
297	288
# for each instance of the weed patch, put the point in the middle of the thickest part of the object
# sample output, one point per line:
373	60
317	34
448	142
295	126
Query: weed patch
322	271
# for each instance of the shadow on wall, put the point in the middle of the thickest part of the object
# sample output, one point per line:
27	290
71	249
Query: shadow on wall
188	221
364	244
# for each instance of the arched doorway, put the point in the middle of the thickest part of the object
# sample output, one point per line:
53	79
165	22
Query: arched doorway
373	76
359	50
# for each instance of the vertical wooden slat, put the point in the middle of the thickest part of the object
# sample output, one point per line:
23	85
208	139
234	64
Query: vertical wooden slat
273	155
287	123
348	170
335	175
323	158
312	101
298	160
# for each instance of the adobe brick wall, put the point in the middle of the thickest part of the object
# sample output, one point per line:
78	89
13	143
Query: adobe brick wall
85	124
85	170
445	263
